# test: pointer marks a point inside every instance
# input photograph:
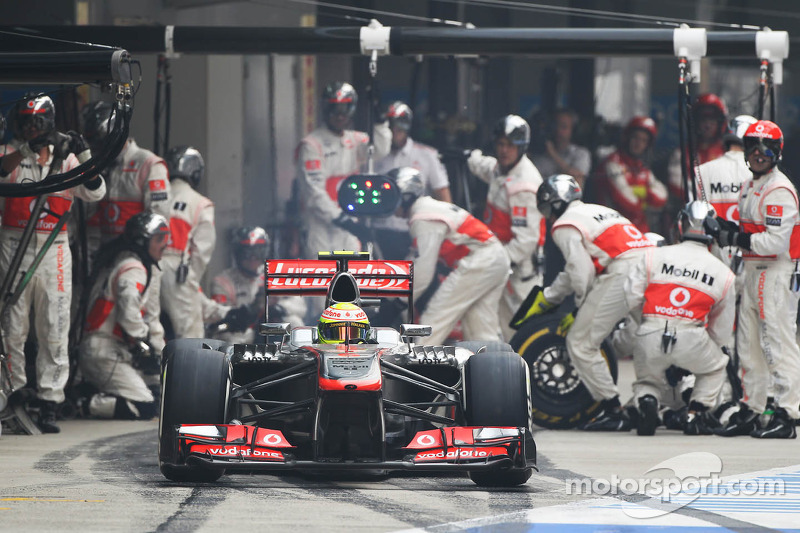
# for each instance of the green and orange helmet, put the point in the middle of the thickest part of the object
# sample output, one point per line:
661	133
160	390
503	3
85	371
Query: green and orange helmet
343	322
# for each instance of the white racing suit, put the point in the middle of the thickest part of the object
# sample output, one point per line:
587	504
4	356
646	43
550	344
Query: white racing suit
472	290
324	159
50	289
235	288
674	174
192	240
691	292
722	181
600	247
768	210
135	182
511	213
123	308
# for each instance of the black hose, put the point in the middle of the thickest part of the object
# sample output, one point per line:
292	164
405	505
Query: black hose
80	174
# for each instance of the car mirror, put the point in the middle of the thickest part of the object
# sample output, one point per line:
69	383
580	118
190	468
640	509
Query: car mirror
274	328
415	330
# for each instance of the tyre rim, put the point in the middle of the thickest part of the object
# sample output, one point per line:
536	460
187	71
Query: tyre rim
553	373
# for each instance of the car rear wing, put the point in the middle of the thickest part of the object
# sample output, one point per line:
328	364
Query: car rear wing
312	277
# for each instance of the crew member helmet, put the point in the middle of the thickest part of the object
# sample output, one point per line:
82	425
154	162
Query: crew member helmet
712	103
343	323
409	183
143	226
766	137
400	115
695	220
186	163
35	111
515	129
340	98
249	242
641	123
98	120
556	193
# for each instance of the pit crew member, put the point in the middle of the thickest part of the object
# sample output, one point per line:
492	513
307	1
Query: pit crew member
36	151
511	211
120	352
191	244
600	247
243	285
769	236
324	158
441	231
687	298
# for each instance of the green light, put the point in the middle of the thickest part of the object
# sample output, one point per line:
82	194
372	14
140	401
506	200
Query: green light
361	193
360	200
354	185
375	200
376	193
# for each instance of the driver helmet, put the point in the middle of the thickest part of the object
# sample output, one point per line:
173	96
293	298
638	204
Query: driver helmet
343	322
249	242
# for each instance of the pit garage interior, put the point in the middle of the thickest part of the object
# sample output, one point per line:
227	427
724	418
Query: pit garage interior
246	113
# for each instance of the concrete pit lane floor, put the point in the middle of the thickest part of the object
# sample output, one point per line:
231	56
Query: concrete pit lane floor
103	476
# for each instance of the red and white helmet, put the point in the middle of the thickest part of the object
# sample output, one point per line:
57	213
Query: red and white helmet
711	102
641	123
400	115
767	138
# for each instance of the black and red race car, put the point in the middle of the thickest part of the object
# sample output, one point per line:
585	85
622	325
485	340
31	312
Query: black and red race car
384	405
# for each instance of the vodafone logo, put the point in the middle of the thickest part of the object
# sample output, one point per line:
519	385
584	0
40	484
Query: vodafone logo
759	128
271	439
46	208
426	440
679	297
112	212
632	231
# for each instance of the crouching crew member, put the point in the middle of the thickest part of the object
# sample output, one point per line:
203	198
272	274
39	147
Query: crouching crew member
442	231
123	337
688	301
600	247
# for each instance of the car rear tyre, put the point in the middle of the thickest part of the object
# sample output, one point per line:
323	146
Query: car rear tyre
559	399
490	346
195	391
497	394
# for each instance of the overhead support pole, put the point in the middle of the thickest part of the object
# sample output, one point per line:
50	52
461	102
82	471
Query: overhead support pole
773	46
690	45
85	66
404	41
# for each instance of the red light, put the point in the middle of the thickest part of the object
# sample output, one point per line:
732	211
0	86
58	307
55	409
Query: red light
368	184
387	185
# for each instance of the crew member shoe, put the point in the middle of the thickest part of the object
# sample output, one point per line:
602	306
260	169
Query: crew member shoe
675	419
611	417
699	421
648	415
47	418
743	422
781	426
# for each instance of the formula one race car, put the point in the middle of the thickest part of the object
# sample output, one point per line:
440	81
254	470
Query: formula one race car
383	404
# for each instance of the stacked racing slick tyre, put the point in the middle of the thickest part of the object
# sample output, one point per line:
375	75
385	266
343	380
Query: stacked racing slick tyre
195	389
497	394
559	399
